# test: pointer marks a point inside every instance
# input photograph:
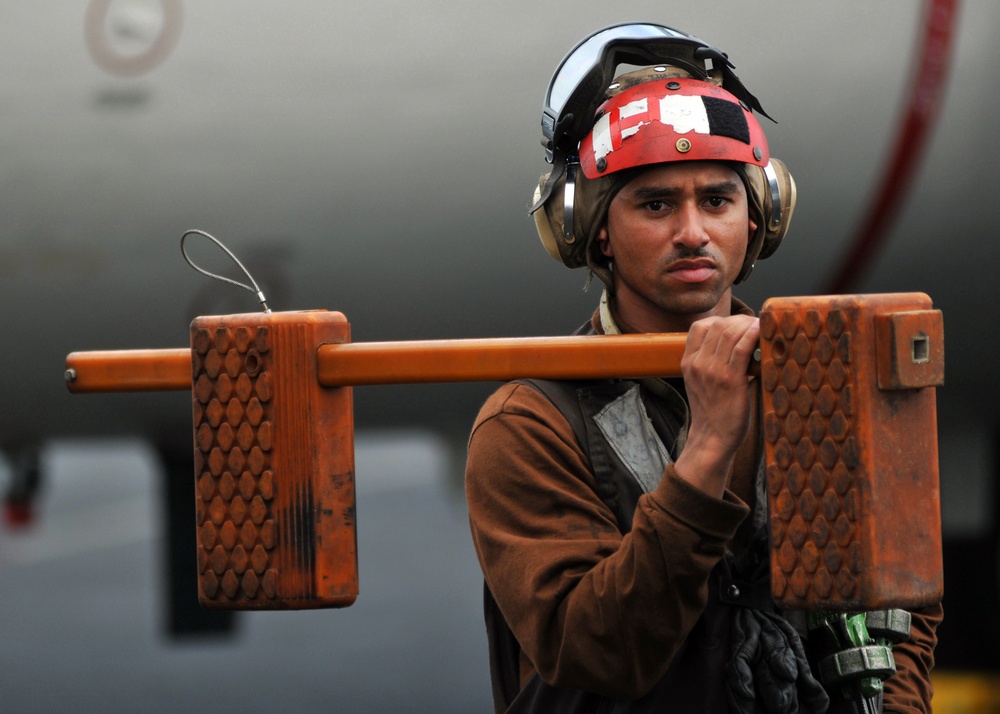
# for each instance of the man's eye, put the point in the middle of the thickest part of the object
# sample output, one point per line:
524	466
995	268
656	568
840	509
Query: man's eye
656	205
717	201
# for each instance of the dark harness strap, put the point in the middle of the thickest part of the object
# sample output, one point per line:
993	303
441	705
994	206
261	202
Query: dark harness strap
576	401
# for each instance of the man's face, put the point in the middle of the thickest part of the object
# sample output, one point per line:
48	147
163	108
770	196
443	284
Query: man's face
677	235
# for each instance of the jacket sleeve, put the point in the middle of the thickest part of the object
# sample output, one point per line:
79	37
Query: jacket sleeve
592	609
909	690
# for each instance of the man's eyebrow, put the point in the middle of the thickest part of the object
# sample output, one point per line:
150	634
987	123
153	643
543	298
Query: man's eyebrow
648	193
724	187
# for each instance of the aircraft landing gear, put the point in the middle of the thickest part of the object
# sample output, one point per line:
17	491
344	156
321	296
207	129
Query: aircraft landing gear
185	616
21	491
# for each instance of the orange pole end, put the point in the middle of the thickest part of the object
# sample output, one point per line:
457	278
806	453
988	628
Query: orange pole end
129	370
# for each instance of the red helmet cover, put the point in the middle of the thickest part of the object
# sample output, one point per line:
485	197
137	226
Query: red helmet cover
677	119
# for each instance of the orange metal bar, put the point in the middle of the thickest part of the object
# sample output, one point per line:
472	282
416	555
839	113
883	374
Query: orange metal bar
404	362
129	370
500	359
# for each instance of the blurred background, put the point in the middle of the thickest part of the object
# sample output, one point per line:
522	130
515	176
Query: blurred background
377	159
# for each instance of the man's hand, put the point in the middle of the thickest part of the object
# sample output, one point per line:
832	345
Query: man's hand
715	364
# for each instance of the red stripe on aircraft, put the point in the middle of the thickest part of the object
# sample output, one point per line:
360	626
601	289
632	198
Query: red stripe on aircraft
926	94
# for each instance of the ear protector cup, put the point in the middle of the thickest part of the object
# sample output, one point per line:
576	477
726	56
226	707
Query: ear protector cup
787	194
569	220
771	193
546	231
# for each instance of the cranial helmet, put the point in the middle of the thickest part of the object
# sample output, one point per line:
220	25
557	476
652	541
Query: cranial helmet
599	134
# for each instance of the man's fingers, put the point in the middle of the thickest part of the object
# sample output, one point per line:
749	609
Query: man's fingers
729	340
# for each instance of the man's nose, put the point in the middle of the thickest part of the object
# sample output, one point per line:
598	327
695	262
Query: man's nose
690	226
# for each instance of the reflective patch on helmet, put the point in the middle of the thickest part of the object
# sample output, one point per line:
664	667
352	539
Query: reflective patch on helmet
601	137
684	113
638	108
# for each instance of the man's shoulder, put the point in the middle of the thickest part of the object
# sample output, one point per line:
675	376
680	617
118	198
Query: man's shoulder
519	423
515	398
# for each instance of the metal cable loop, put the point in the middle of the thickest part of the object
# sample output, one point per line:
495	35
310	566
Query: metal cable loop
255	289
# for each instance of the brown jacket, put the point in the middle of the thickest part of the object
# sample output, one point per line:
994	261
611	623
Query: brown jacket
592	608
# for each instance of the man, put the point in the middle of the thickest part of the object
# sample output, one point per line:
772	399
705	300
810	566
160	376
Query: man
614	519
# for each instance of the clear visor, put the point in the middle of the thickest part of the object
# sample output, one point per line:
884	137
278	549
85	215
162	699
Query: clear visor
589	54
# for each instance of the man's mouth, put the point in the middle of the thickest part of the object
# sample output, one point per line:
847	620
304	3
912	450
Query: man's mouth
691	270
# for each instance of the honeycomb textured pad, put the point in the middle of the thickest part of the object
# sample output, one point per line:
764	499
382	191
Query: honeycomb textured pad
852	475
274	464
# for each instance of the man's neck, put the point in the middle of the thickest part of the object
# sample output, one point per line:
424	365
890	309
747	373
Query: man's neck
647	319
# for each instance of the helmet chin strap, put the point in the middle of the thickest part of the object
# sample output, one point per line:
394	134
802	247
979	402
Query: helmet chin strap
608	323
